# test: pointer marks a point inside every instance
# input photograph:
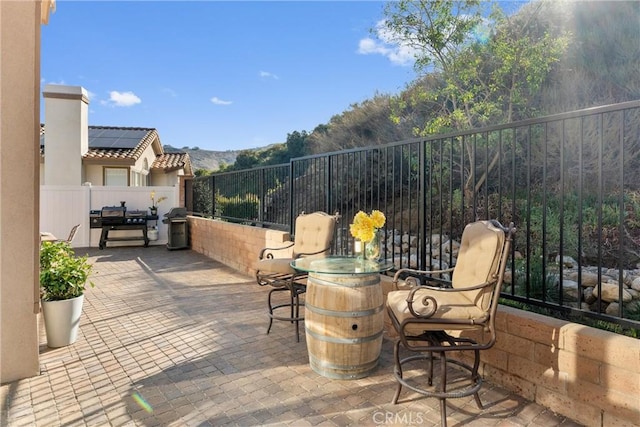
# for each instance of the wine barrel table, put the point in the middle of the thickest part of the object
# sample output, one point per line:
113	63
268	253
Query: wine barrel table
344	316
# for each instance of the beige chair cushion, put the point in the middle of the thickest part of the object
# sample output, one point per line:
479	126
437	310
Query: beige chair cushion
451	306
478	260
313	233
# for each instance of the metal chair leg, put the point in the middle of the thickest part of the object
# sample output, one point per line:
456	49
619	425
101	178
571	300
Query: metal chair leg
443	412
293	304
397	367
430	368
437	350
474	376
296	313
443	388
270	307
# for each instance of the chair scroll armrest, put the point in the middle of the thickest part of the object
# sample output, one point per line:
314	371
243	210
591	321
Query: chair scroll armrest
266	252
429	303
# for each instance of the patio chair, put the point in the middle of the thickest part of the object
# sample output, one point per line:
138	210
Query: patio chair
313	236
72	233
432	321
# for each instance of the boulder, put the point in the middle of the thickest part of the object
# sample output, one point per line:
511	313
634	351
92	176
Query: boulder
588	278
588	296
570	289
612	309
567	261
610	292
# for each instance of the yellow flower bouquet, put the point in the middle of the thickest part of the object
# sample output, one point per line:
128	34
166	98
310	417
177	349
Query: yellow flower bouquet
365	229
364	226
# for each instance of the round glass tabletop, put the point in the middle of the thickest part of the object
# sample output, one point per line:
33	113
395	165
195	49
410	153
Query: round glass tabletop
335	264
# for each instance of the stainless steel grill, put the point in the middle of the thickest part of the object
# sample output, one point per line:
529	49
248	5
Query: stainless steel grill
113	215
119	215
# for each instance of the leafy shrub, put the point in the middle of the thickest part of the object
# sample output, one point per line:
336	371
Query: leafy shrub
238	207
63	275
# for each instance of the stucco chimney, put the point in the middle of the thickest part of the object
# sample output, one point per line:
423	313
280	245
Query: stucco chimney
66	133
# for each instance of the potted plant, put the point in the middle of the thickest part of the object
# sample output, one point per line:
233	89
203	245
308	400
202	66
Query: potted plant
154	203
63	278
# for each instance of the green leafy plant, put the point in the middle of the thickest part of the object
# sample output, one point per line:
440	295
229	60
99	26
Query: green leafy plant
246	206
63	275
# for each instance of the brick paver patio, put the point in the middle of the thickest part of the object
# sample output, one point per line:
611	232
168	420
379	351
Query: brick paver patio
172	338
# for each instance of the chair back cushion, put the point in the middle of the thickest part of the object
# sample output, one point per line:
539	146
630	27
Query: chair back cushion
478	260
313	233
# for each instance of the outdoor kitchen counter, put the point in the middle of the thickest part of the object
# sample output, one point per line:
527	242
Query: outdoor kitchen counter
104	236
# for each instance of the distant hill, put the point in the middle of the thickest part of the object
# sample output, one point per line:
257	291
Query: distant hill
206	159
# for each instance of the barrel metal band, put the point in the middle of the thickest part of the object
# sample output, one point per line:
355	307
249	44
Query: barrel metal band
337	340
343	313
325	364
358	284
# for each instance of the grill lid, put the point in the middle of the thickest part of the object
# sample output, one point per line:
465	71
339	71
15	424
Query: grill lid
179	212
136	214
113	211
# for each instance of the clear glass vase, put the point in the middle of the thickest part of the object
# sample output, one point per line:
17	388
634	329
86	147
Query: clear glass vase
372	248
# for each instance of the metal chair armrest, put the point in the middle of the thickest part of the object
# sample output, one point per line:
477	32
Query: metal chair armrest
431	303
264	251
304	254
412	280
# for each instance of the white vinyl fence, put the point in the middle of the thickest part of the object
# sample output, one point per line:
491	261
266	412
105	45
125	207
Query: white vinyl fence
62	207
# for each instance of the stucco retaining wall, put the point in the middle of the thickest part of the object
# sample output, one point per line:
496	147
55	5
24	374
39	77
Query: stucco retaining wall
587	374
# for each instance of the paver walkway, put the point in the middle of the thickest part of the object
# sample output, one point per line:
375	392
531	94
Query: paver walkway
172	338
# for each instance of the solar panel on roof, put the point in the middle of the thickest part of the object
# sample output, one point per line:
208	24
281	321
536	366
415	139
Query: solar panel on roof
115	138
112	138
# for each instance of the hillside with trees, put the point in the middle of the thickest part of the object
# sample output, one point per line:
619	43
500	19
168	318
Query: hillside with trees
550	57
474	70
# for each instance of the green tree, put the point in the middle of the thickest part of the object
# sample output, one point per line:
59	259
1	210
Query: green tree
246	159
485	70
481	75
296	144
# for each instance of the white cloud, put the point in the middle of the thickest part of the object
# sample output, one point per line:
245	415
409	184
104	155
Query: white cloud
219	101
388	45
44	82
122	99
370	46
170	92
267	74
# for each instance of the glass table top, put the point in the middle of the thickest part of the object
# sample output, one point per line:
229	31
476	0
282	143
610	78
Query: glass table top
341	265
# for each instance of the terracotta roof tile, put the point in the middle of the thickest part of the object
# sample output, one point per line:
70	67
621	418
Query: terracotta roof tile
172	161
110	153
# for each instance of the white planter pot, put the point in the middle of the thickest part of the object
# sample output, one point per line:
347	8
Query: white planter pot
152	234
62	320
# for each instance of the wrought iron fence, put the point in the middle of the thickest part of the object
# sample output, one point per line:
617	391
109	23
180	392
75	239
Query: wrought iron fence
570	182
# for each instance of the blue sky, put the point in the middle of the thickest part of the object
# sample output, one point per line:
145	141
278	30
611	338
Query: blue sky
218	75
221	75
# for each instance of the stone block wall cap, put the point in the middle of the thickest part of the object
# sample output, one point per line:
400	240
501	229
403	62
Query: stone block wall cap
66	92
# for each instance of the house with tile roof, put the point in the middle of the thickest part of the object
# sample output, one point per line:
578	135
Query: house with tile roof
74	153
